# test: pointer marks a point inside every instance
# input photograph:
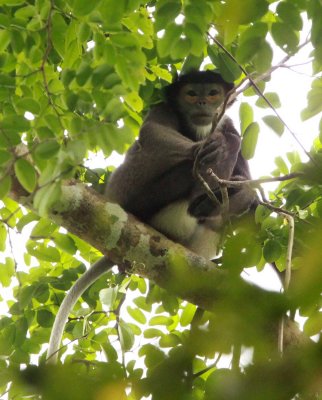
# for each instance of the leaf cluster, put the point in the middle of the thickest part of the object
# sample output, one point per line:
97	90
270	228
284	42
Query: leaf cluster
76	78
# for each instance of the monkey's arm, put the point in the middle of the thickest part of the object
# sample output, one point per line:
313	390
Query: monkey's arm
223	156
221	151
157	169
90	276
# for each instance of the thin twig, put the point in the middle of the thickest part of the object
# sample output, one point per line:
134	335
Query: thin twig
253	82
287	279
45	58
253	182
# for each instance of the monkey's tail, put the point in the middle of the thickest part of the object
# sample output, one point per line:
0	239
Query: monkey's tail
90	276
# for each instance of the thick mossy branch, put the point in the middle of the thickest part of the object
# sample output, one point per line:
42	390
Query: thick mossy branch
139	249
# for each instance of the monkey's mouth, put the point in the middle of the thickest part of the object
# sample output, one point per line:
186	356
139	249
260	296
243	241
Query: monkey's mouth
202	119
202	115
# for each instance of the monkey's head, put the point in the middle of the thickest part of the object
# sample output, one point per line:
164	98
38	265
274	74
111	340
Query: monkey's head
197	95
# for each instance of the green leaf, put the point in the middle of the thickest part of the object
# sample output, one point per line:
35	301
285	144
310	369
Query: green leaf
229	69
3	236
282	166
191	62
4	40
261	213
246	116
243	12
313	325
47	150
21	333
43	228
152	333
25	12
272	250
293	157
247	50
136	314
125	39
45	318
43	252
7	337
314	106
83	73
5	156
141	303
25	296
126	336
26	174
256	30
166	11
272	97
263	57
274	123
187	314
111	19
46	197
42	293
7	269
290	14
241	250
103	74
249	141
134	101
170	340
142	285
171	36
25	220
20	357
5	186
28	104
58	33
84	32
17	42
64	242
197	44
253	47
108	296
82	8
67	75
14	123
284	36
180	49
161	320
153	355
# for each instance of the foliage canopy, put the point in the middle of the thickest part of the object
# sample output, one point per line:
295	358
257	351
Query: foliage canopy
78	76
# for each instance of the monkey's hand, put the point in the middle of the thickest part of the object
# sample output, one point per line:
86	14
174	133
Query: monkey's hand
218	148
202	206
240	200
220	153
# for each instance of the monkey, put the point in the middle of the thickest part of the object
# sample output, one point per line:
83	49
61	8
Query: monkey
156	181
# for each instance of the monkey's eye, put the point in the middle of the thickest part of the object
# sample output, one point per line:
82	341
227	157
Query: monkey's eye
213	92
191	93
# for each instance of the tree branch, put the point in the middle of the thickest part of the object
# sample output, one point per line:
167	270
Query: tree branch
141	250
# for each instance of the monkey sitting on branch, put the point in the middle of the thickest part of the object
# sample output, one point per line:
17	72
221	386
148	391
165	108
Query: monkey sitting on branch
158	182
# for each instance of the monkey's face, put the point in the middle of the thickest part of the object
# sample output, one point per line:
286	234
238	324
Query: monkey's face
198	102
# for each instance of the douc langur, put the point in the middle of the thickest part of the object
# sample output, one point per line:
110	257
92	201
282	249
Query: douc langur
156	182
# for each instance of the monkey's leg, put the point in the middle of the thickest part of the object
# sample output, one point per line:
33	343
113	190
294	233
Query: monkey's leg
90	276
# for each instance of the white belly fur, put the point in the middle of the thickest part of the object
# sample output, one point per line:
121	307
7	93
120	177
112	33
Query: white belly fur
175	222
